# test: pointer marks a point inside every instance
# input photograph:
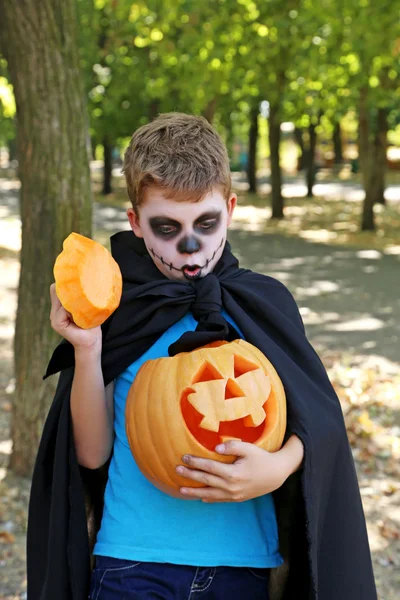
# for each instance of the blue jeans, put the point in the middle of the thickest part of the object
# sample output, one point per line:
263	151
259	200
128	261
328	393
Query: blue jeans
116	579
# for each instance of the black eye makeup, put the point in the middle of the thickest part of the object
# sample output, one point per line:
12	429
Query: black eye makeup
164	228
167	229
208	223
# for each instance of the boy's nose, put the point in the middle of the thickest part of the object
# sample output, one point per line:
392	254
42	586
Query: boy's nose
188	245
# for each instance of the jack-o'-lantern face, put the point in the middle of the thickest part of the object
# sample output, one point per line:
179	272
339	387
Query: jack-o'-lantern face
226	401
189	403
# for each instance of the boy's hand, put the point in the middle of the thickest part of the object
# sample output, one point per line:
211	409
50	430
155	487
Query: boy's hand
255	472
62	322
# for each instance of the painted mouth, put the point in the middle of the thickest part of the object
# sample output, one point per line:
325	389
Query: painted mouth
191	271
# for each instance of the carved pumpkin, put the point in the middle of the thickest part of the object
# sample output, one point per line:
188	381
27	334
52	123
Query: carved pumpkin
88	281
189	403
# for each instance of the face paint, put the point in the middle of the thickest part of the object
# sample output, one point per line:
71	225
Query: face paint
188	245
185	239
208	223
189	271
165	228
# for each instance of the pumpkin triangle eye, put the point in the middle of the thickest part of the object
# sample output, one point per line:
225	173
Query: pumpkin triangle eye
241	365
207	372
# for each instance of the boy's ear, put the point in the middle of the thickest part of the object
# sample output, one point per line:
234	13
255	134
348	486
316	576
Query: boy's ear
231	207
133	218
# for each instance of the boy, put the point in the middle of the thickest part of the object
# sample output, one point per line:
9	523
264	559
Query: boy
183	289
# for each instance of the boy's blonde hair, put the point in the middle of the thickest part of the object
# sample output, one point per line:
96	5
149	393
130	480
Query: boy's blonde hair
180	153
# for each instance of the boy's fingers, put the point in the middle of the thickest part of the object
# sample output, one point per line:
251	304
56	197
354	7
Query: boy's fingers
55	302
236	448
210	466
207	494
206	478
58	314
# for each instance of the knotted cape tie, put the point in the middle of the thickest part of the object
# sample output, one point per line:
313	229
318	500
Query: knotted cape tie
206	309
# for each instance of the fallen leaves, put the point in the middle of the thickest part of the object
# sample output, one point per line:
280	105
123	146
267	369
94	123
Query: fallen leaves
7	537
389	530
370	400
369	393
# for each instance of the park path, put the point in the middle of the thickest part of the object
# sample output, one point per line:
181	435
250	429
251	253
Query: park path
295	187
350	303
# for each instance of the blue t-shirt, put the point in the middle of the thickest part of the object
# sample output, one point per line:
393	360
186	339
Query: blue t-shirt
142	523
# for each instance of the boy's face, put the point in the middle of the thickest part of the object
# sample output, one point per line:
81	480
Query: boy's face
184	239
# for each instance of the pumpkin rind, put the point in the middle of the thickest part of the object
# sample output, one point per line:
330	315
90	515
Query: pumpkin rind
157	432
88	281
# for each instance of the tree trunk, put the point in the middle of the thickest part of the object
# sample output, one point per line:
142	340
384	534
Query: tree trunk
298	136
252	161
12	150
381	154
229	137
276	175
107	167
209	111
337	144
154	108
367	162
93	146
39	42
310	159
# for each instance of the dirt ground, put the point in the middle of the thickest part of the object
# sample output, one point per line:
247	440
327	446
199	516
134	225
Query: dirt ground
350	304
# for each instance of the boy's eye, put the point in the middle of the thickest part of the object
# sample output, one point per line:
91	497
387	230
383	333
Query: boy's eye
209	224
166	229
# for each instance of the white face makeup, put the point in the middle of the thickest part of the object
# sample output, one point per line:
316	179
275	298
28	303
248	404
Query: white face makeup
184	239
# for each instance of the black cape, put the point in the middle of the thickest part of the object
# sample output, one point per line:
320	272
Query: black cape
321	522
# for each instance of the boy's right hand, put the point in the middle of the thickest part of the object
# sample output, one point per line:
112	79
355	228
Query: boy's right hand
63	323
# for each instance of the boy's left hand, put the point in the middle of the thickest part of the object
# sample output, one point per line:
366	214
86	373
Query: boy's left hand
254	473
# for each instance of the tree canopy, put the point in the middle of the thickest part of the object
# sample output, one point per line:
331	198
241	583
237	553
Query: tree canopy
310	63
